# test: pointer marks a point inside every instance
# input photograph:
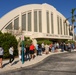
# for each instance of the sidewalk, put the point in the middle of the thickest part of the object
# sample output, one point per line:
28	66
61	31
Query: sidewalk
18	64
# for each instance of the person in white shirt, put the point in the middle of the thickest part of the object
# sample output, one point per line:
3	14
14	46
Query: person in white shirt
43	47
1	56
11	55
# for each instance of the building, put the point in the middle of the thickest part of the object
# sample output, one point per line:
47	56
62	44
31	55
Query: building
36	21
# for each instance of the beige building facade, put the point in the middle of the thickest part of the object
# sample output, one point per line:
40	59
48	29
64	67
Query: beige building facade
36	21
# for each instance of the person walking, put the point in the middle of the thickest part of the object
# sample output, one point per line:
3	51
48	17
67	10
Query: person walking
11	55
1	56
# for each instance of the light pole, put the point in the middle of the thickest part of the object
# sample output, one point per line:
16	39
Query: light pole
22	49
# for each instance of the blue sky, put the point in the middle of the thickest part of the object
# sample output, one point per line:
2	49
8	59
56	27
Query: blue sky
63	6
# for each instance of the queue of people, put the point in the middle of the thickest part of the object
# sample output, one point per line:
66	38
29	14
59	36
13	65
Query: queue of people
36	50
39	49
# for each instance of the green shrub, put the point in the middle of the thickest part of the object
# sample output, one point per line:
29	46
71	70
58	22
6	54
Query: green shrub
7	40
45	41
70	41
27	41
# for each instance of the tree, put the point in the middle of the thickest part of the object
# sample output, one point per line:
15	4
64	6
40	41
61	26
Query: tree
70	41
72	12
44	40
7	40
27	41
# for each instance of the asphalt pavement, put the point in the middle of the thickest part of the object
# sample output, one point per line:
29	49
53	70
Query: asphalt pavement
17	64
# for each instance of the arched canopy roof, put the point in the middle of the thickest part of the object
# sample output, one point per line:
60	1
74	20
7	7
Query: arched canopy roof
15	12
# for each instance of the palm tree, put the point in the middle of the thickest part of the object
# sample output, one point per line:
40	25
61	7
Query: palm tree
72	12
73	19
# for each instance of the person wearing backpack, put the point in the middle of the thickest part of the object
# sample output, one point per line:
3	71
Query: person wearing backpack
1	56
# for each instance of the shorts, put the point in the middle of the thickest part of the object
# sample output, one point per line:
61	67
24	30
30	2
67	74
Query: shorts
31	51
1	56
43	49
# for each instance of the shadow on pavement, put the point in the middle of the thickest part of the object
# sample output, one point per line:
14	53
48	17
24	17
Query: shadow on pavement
5	64
15	62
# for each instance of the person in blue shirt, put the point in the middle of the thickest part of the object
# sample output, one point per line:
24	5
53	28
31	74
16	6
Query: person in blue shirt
37	49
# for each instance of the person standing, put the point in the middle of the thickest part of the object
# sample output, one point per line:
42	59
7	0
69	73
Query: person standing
62	47
40	49
43	47
1	56
46	49
69	47
32	51
52	48
27	53
11	55
37	49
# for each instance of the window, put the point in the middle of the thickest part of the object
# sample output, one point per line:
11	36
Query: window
16	23
9	26
24	22
61	25
35	21
64	27
52	28
58	23
47	15
29	21
40	21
